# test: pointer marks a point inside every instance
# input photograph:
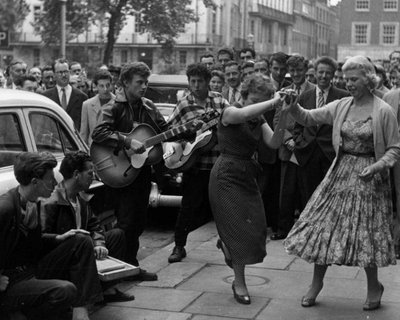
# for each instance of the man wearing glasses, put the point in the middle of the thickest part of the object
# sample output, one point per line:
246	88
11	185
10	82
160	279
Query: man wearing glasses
69	98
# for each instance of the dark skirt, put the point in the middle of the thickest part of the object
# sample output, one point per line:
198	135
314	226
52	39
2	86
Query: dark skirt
238	208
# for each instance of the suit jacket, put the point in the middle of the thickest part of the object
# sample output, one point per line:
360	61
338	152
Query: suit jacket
91	111
392	97
284	152
74	107
308	138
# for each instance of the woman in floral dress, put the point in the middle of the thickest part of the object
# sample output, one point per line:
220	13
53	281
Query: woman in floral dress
348	219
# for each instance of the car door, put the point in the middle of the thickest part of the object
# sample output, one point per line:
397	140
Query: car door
13	133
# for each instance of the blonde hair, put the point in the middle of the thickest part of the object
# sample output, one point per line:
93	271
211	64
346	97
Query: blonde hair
366	67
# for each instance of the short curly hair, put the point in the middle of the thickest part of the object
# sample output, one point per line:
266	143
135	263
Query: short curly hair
198	69
257	84
131	69
73	161
367	68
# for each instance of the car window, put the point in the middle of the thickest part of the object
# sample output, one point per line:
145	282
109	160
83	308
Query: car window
165	94
11	141
50	135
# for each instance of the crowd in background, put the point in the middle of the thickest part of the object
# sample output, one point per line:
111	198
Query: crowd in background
294	153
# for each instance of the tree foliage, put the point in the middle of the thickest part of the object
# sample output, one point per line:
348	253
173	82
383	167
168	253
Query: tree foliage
78	14
12	13
163	19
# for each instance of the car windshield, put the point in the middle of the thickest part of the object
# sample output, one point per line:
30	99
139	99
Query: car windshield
164	94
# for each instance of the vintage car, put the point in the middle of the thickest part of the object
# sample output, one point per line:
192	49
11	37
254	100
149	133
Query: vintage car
32	122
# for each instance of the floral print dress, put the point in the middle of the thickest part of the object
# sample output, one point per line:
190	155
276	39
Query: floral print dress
347	221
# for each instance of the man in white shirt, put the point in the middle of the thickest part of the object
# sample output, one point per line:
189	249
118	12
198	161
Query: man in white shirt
70	99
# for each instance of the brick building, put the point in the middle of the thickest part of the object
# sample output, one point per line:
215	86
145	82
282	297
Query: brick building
369	27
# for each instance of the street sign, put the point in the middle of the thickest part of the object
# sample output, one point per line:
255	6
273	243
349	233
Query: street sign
4	39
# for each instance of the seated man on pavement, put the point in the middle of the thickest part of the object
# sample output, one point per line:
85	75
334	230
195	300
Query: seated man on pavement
31	268
68	212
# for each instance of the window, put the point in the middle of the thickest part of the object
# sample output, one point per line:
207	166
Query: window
37	11
50	135
390	5
138	27
389	33
362	5
361	33
124	56
36	57
182	59
11	142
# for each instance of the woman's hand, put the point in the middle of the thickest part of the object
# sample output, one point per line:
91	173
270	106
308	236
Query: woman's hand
368	173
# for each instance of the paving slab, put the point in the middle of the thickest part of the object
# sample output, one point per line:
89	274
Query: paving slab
275	262
159	299
120	313
203	317
386	275
174	274
327	309
204	233
217	304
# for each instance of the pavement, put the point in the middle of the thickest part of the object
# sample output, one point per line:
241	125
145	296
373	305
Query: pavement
199	288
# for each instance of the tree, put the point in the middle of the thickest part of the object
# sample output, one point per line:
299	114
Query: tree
12	13
79	14
163	19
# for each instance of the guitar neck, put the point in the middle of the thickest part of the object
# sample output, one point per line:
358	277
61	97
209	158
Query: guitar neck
163	136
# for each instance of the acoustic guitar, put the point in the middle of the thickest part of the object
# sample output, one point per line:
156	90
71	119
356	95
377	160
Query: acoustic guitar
118	168
183	156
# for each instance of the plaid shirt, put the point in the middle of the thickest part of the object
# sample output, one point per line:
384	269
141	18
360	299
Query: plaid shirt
187	110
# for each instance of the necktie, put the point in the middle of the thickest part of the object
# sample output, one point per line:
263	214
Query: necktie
321	100
63	99
233	96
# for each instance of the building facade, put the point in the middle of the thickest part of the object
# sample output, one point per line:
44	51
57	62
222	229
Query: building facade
369	28
292	26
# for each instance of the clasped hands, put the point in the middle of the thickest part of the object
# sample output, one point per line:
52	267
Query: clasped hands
288	97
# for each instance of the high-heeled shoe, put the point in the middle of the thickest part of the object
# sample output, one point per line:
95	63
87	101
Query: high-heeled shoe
373	305
221	246
310	302
243	299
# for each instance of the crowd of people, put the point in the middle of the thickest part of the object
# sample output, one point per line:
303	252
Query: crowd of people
309	149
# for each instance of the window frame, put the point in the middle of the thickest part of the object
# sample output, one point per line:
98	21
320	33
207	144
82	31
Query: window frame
362	9
390	9
60	125
395	36
353	33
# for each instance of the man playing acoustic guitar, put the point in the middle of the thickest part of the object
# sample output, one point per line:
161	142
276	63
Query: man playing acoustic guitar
130	110
195	204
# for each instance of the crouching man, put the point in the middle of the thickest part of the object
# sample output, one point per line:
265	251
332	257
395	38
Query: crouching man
67	212
41	279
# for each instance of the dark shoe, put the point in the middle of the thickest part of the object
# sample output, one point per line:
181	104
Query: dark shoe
373	305
143	275
178	253
243	299
118	296
221	246
278	236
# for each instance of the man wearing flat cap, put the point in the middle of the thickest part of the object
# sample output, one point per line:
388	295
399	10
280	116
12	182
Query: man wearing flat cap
31	268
